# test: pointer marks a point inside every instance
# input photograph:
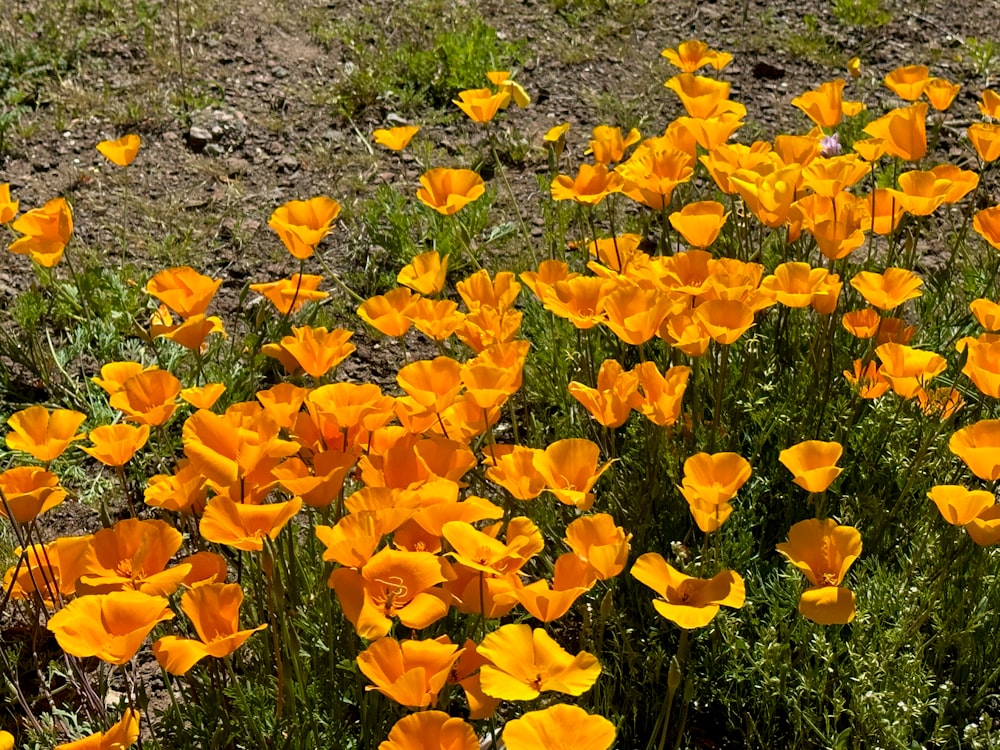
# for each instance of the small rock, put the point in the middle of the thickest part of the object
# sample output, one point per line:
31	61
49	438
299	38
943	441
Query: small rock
288	163
236	166
279	72
221	127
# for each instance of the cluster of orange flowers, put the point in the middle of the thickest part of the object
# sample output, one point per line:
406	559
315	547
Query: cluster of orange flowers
409	543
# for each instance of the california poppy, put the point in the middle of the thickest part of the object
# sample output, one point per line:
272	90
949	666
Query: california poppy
686	601
978	445
392	584
119	736
302	225
29	492
523	663
481	105
409	672
591	185
244	526
122	151
909	81
904	131
214	610
699	223
823	551
115	445
813	463
889	289
43	434
908	369
289	295
46	232
395	139
825	105
570	468
111	626
8	207
691	55
148	398
447	191
431	730
959	505
608	145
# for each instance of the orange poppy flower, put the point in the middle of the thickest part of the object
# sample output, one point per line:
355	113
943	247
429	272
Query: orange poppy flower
116	444
894	331
43	434
111	626
987	313
203	397
688	132
479	291
513	468
425	274
431	730
409	672
686	601
486	327
184	491
828	177
190	334
963	181
447	191
657	396
921	193
908	369
580	299
941	403
903	130
114	375
826	298
49	571
481	105
725	320
572	578
8	207
769	196
607	144
29	492
561	725
214	610
635	314
984	529
982	366
687	333
46	232
432	384
867	379
958	505
725	159
702	97
315	350
122	151
148	398
302	225
244	526
889	289
597	542
291	294
885	211
795	284
183	290
699	223
591	185
714	478
570	470
985	138
987	225
119	736
825	106
694	54
392	584
653	171
941	93
395	139
863	324
978	445
133	555
908	81
438	319
813	463
555	140
483	553
824	551
989	104
320	487
385	312
523	663
870	149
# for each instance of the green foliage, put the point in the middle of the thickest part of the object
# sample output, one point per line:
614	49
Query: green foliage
862	14
417	58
